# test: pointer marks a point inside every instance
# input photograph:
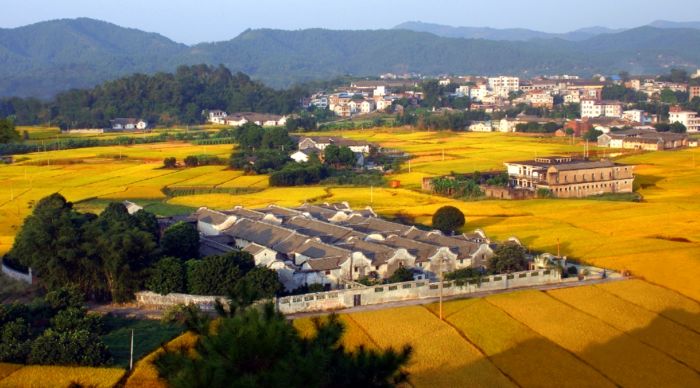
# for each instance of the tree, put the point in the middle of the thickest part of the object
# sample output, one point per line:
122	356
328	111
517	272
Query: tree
261	348
213	275
168	275
346	157
592	134
258	283
170	162
8	134
51	241
122	249
402	274
448	219
180	240
509	257
668	96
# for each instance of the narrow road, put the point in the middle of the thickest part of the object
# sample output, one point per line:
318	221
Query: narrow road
133	311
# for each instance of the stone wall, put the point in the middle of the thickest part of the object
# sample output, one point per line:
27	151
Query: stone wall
362	296
17	275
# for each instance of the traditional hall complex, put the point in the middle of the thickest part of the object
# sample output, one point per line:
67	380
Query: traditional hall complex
334	245
566	177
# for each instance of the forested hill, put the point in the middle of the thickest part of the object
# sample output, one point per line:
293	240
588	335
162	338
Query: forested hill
161	98
44	58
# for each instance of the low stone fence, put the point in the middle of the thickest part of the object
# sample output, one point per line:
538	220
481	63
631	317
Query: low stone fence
150	299
17	275
420	289
384	293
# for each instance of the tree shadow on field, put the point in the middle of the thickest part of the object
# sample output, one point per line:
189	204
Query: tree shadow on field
664	353
484	222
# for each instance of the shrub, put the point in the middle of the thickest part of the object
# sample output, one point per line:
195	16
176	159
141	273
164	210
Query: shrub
170	162
78	347
402	274
191	161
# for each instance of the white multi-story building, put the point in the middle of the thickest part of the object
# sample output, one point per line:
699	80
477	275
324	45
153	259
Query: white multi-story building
540	99
636	115
593	108
217	116
688	118
478	92
504	85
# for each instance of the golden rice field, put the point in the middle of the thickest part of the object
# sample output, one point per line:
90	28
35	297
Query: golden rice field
632	333
588	336
35	376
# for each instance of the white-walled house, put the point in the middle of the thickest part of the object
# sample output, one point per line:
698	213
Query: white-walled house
128	124
481	126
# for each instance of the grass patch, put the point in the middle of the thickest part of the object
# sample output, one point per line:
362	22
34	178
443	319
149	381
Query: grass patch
621	197
157	207
148	336
15	291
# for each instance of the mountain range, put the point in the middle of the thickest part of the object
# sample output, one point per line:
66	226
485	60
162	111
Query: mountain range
509	34
44	58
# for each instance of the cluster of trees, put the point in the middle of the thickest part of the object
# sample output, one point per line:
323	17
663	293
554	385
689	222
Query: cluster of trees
110	256
339	157
295	174
163	98
54	330
233	274
621	93
534	127
306	122
262	150
8	133
194	161
467	188
672	127
457	120
105	256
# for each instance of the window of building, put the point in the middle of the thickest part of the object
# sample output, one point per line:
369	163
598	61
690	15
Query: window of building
328	272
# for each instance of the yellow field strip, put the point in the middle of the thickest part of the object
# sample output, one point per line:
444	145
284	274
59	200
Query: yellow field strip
620	357
442	358
656	331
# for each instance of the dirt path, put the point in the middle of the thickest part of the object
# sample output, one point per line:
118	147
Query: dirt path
133	311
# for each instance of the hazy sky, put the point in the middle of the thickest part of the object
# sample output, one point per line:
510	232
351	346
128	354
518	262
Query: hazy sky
210	20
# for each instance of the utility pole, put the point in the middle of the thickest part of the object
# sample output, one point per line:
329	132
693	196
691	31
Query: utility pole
441	281
131	353
558	250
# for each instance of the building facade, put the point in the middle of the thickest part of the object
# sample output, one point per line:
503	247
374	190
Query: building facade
565	177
